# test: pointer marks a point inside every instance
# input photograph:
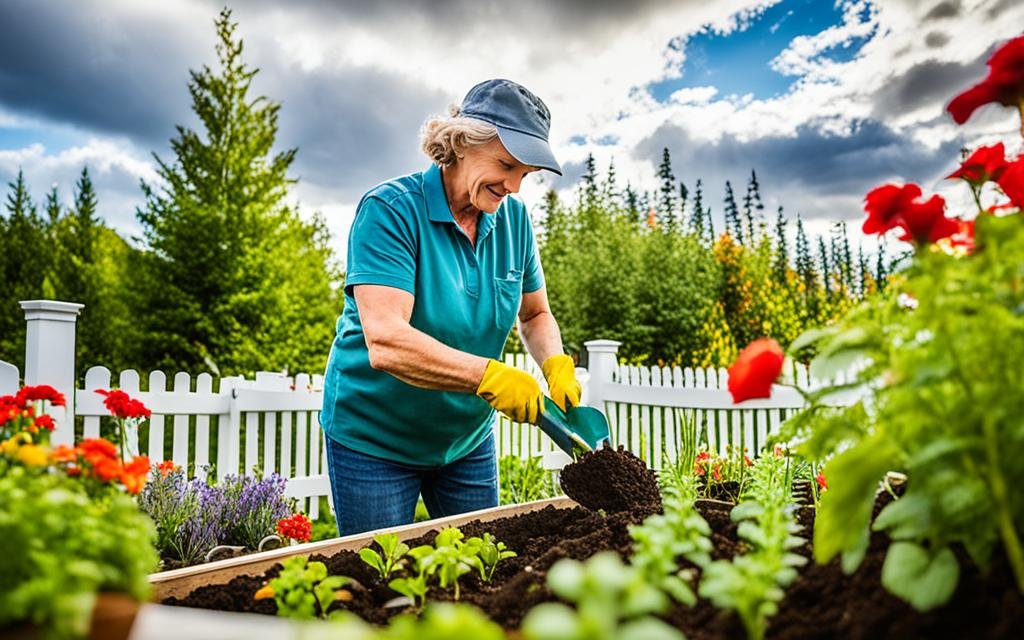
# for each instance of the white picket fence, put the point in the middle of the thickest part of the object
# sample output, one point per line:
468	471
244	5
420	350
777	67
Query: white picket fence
271	424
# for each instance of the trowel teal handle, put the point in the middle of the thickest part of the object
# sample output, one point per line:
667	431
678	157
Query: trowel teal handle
578	429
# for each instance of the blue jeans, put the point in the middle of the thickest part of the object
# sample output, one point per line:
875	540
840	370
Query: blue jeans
372	493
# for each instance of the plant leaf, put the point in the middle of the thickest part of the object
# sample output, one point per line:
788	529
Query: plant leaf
924	580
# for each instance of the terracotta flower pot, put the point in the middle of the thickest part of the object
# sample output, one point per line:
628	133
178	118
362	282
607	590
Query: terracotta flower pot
112	616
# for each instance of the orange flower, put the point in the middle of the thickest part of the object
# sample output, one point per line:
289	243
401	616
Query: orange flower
134	474
166	467
64	453
95	449
106	469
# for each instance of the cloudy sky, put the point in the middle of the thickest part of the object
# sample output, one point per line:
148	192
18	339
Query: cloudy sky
823	99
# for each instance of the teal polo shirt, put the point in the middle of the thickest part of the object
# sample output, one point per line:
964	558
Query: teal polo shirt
404	236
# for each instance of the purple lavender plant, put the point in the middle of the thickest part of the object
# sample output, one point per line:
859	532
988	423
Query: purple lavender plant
168	501
204	529
254	505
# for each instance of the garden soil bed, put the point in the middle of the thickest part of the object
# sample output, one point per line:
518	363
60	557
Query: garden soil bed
821	603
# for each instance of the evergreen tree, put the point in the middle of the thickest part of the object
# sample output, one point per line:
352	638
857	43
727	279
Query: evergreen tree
781	248
753	208
610	192
24	263
826	273
632	204
697	216
684	195
863	272
237	282
589	184
709	227
733	226
667	201
52	207
881	272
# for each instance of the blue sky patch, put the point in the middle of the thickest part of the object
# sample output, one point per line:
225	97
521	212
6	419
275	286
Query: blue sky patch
738	63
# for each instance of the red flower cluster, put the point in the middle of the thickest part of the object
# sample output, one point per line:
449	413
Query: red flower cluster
97	458
922	221
166	468
40	392
296	527
700	463
121	405
1004	84
755	370
19	410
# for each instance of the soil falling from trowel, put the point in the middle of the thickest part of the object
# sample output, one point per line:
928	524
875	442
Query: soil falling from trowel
612	480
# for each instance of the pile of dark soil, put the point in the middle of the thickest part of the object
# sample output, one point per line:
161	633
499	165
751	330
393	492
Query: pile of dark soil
613	481
821	603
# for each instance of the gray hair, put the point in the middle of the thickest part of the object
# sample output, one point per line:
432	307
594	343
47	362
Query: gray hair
445	138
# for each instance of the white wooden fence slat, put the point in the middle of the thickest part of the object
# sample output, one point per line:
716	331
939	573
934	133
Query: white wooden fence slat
95	378
204	387
10	379
182	389
269	443
157	384
252	442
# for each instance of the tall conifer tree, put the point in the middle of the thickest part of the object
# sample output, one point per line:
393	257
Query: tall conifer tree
237	282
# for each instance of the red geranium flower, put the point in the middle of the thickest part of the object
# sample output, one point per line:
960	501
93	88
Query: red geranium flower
925	222
922	221
296	527
1004	84
40	392
1012	182
106	469
756	368
121	405
987	163
884	204
822	482
45	422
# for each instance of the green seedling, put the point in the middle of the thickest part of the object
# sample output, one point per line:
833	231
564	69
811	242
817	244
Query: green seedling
489	552
390	558
303	590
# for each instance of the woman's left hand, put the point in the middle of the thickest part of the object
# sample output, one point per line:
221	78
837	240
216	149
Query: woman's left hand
563	387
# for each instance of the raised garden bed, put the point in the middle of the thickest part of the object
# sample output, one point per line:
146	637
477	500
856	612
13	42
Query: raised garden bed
822	602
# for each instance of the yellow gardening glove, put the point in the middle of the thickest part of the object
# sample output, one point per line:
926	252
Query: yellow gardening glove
564	389
511	391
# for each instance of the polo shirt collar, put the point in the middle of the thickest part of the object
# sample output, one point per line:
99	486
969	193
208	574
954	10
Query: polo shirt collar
437	203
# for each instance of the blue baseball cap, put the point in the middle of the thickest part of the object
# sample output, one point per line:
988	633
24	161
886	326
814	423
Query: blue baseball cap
522	120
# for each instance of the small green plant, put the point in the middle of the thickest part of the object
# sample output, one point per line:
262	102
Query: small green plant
752	583
678	532
452	559
415	585
390	558
523	480
613	602
490	552
303	590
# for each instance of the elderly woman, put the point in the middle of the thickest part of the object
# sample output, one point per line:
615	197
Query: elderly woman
440	265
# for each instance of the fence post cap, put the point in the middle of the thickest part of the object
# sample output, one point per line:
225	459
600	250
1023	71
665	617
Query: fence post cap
602	346
51	309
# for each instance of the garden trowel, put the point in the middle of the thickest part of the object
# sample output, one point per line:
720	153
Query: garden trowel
576	430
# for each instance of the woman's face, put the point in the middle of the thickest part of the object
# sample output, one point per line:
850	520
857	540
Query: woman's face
487	173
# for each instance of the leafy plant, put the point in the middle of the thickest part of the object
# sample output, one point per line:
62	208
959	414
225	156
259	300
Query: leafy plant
678	532
490	552
613	601
936	381
303	590
451	559
60	546
752	583
390	558
415	585
523	480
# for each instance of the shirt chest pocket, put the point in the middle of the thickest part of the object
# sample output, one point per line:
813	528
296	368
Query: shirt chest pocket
508	293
